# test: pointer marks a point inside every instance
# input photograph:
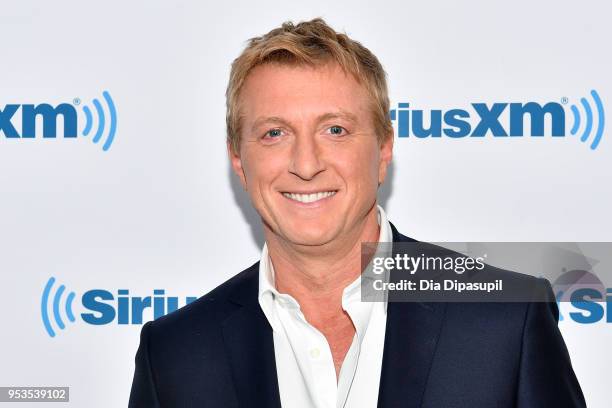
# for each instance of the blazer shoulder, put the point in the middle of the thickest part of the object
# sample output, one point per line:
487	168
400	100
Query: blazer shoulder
399	237
214	305
493	271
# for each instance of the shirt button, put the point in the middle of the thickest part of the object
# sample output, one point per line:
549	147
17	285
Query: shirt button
314	353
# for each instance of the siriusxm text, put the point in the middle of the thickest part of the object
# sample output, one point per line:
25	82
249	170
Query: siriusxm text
104	307
481	120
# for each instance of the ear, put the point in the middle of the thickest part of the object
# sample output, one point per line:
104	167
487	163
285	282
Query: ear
236	163
386	155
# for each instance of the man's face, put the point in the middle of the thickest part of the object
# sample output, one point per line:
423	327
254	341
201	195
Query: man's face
309	156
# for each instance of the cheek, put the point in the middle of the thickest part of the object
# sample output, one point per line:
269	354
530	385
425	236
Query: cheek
359	167
261	168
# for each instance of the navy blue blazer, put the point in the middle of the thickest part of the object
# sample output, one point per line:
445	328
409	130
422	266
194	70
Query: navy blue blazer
218	352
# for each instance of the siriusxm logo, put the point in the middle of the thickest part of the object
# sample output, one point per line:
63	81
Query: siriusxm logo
586	295
587	307
483	119
103	307
68	112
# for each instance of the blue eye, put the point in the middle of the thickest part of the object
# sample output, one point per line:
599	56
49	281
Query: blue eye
336	130
274	133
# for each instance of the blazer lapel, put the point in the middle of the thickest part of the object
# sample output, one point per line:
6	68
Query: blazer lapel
411	337
250	345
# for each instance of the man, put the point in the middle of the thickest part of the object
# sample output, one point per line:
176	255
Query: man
310	139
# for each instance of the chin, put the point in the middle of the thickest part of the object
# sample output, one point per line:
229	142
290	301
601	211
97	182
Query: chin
311	235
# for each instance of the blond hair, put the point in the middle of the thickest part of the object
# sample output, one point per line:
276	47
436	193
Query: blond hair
311	43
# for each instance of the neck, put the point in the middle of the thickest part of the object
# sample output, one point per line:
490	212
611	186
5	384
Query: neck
317	275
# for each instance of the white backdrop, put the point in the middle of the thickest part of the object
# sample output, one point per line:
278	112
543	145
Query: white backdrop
160	208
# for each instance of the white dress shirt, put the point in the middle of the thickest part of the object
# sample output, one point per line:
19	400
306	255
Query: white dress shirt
304	363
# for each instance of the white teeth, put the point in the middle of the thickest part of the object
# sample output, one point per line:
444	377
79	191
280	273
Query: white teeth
309	198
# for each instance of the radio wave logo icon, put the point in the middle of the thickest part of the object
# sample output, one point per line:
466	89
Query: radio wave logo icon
101	120
53	302
588	125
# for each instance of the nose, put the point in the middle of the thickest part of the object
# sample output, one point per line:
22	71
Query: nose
306	160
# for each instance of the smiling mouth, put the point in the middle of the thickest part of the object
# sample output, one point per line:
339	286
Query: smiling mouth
310	198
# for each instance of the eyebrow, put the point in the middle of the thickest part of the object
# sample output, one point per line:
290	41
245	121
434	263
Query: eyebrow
323	117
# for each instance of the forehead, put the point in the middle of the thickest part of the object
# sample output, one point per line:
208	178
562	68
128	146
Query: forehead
299	92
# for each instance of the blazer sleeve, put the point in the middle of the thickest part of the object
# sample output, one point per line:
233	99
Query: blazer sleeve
546	377
143	394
